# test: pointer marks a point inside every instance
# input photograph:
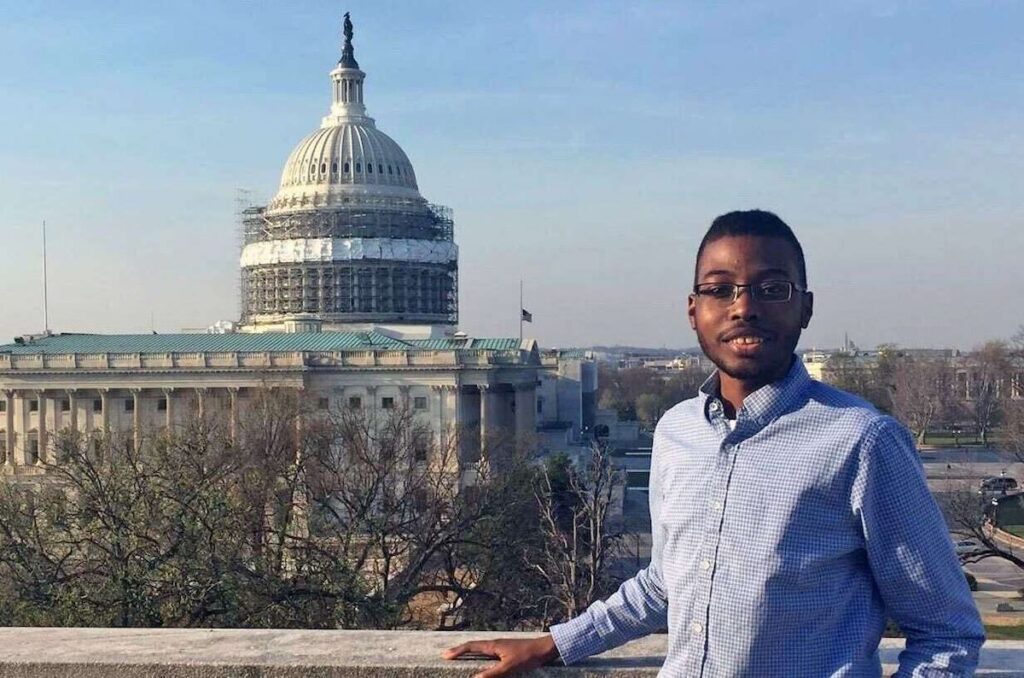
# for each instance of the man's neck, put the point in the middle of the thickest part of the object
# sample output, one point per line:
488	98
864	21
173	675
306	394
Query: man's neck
734	391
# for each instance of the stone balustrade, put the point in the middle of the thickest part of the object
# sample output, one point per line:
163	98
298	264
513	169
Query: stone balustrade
224	653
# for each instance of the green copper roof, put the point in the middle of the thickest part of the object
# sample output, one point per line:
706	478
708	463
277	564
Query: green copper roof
246	343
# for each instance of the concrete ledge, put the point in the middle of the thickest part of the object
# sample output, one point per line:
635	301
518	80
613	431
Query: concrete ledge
239	653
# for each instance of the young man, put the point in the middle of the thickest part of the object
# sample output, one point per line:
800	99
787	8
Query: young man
789	519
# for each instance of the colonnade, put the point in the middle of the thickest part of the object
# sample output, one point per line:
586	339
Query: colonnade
32	416
487	417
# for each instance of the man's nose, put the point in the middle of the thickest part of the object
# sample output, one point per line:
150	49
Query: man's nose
744	308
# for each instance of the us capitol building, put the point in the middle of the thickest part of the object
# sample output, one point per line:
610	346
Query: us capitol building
349	284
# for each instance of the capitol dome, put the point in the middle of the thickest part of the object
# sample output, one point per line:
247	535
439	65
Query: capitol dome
348	155
348	240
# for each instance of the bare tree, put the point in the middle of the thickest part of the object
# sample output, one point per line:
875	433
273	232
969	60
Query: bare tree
579	541
975	519
989	386
922	393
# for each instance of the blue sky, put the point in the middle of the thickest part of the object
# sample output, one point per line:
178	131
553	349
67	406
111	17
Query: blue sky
584	147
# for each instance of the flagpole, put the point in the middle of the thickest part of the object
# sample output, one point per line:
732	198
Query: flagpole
521	311
46	310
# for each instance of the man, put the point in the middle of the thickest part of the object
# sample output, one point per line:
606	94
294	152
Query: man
789	519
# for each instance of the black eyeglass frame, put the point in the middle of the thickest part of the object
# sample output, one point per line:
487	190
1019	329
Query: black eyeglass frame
698	292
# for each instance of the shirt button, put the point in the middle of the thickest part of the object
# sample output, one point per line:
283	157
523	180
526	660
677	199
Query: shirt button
717	506
697	627
715	406
705	565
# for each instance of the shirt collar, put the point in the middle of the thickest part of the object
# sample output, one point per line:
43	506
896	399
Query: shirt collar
767	402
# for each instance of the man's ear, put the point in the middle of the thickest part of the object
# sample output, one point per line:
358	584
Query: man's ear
691	311
806	309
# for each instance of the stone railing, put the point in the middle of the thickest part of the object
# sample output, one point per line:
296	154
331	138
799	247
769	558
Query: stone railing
230	653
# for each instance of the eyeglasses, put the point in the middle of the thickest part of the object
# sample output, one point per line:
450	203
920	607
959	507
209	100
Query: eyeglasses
769	291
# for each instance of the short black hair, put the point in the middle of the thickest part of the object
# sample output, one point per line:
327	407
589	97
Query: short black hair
760	223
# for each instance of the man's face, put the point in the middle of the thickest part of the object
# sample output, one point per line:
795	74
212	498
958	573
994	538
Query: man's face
748	340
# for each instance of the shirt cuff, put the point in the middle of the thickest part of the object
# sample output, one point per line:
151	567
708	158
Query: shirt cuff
577	639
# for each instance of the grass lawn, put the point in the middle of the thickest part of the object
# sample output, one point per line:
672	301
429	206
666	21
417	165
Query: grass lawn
1017	530
1004	632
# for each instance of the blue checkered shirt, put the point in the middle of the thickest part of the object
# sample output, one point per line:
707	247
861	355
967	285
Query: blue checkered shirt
780	547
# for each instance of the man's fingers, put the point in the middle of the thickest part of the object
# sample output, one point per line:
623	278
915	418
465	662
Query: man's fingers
474	646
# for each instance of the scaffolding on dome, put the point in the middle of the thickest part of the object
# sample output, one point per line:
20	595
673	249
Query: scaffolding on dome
363	218
357	289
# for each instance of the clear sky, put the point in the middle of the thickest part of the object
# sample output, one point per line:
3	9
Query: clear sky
584	147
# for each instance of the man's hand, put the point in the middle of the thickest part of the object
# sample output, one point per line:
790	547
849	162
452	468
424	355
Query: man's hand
514	655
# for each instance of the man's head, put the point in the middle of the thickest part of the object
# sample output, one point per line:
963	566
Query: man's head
750	331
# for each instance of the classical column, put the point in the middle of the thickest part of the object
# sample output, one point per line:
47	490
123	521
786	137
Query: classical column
201	402
233	423
298	425
43	438
441	396
371	394
105	406
168	408
486	418
137	419
526	413
9	433
72	410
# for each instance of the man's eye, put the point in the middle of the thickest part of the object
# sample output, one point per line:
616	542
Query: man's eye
723	291
774	289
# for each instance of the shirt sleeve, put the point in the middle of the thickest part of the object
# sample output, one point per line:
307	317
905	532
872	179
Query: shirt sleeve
912	559
638	608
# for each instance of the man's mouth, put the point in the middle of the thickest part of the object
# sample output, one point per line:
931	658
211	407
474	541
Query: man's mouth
747	341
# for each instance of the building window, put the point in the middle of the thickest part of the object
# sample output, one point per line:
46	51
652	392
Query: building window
129	405
161	405
369	167
421	448
3	405
33	405
334	167
359	167
3	447
380	168
346	168
540	405
33	448
323	403
97	405
419	403
355	402
389	170
65	405
323	167
387	403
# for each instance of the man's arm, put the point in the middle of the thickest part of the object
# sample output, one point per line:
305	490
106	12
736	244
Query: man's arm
912	558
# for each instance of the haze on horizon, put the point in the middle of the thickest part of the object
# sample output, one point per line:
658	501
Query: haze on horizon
584	149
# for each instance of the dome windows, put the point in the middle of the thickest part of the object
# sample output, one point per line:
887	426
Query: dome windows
359	168
369	168
334	167
347	168
323	168
389	169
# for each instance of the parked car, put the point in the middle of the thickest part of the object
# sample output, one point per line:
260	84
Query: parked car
997	485
968	547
